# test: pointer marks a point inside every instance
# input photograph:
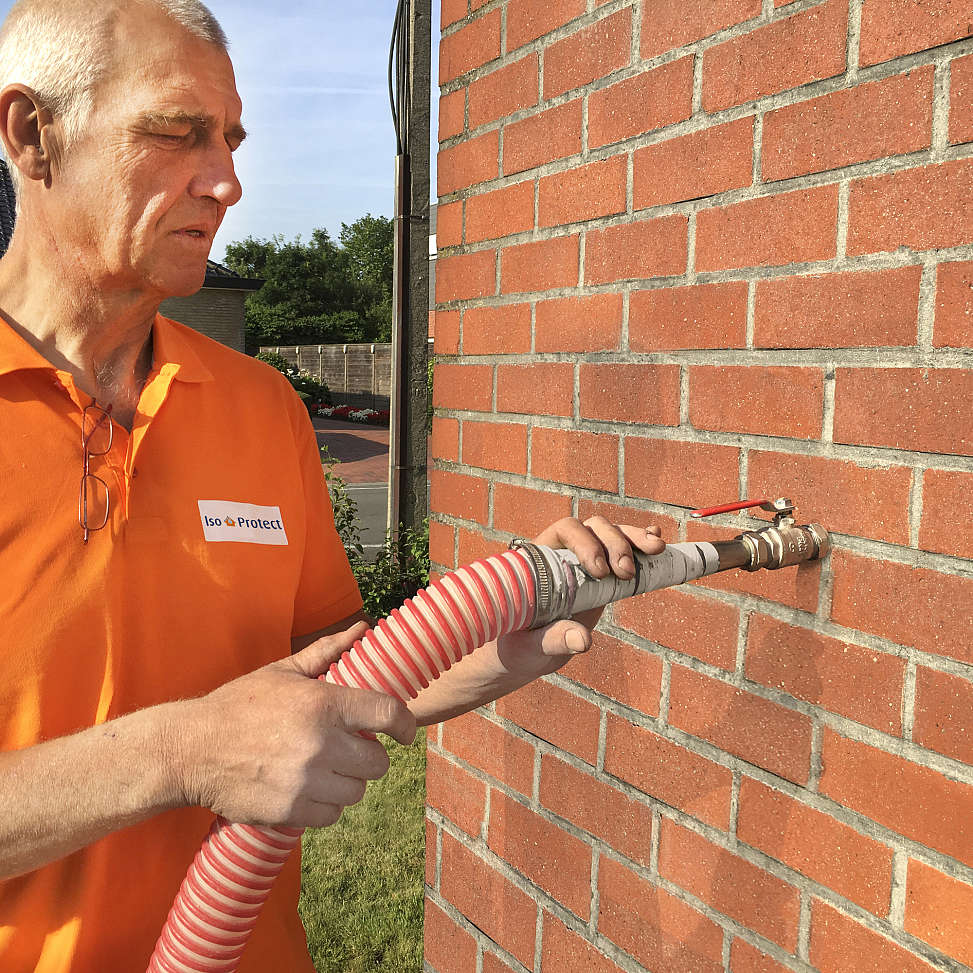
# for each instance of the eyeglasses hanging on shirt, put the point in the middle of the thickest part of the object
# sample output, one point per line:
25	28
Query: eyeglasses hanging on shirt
96	440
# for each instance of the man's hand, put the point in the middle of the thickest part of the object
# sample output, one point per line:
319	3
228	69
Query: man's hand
279	746
501	667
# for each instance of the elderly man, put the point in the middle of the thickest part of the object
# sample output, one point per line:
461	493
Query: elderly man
165	530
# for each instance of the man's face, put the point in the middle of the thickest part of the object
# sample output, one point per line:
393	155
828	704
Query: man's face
140	196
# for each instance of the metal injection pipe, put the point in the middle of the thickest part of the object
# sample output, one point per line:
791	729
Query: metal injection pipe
526	587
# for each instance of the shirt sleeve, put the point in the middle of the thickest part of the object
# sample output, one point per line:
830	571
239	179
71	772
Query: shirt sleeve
327	591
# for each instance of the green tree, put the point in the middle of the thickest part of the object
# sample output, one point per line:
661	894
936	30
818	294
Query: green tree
319	291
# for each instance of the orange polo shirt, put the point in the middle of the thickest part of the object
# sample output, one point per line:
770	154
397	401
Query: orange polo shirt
219	548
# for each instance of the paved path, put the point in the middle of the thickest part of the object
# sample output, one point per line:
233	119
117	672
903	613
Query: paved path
362	451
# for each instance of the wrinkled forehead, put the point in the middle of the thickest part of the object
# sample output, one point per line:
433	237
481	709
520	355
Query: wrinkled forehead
158	59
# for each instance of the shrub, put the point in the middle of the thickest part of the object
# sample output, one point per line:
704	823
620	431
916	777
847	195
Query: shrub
312	392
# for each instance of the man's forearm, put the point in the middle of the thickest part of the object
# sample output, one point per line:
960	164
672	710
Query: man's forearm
63	794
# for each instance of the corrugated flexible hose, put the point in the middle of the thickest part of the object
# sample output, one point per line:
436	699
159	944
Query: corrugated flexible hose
232	875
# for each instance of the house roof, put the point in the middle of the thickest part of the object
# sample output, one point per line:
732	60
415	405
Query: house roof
216	274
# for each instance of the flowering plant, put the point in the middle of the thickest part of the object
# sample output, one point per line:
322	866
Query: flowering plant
370	417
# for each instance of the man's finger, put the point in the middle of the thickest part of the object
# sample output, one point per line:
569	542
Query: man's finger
316	659
378	713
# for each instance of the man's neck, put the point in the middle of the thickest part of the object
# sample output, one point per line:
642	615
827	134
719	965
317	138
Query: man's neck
100	336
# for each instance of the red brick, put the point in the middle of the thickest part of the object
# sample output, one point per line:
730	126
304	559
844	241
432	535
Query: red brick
469	47
546	137
871	121
640	393
944	714
492	749
442	538
816	845
806	47
500	909
729	884
910	606
588	54
891	28
668	773
466	276
698	316
449	225
463	386
750	727
669	471
694	166
447	332
584	323
860	683
452	114
771	231
617	670
468	163
745	958
580	458
527	512
430	854
510	88
455	793
650	100
961	99
659	930
686	622
553	714
636	251
947	503
539	266
451	11
501	330
565	950
528	20
555	861
444	442
840	944
593	806
923	209
495	446
672	25
763	400
494	964
584	193
906	798
929	410
938	910
446	946
798	588
848	498
473	546
868	308
544	388
458	495
500	213
954	306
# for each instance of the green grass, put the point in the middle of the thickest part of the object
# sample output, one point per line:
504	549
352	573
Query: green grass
362	879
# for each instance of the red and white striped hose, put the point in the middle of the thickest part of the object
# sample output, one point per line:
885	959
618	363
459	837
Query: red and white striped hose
232	874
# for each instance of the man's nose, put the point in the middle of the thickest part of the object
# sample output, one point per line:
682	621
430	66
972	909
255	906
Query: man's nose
217	176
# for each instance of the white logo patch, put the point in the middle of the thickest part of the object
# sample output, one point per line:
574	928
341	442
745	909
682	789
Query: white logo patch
245	523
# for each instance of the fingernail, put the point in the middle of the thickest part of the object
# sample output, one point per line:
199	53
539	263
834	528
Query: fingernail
575	641
626	564
601	563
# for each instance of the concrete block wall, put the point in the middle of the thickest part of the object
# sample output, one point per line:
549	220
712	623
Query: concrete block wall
691	251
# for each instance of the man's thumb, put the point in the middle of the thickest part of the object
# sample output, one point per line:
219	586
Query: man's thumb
316	658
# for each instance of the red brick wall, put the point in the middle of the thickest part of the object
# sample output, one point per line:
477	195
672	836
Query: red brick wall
693	250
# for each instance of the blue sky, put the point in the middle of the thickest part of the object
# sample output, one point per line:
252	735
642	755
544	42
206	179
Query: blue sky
313	79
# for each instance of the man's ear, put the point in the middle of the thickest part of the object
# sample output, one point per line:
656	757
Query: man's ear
26	128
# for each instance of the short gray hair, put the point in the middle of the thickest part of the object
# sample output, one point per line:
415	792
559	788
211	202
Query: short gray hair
62	49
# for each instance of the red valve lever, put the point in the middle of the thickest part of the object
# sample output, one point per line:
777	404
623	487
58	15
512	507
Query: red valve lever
726	508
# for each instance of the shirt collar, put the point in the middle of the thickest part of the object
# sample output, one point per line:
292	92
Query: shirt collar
170	346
